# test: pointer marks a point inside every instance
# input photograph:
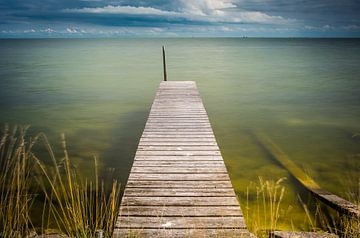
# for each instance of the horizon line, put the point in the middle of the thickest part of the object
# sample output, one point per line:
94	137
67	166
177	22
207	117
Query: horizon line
179	37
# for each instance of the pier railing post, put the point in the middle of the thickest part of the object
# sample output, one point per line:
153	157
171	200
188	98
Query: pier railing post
164	63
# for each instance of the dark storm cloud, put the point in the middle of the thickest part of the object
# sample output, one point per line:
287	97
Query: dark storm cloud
315	12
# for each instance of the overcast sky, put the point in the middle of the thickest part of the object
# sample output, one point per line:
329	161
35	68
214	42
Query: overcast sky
167	18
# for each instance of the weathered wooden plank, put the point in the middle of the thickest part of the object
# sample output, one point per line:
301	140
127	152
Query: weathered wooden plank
177	94
178	153
175	148
183	108
177	184
185	102
184	112
182	129
181	233
166	98
178	139
178	127
178	136
177	119
177	133
184	118
178	114
179	176
180	108
175	164
180	222
177	143
195	103
150	211
190	136
181	166
168	101
189	117
178	158
179	192
163	121
191	104
184	170
175	123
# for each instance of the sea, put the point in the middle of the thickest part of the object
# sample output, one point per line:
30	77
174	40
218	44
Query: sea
303	94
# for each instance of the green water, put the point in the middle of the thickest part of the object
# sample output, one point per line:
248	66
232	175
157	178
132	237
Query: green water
303	93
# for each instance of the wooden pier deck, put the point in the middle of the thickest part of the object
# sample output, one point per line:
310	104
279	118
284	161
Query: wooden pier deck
179	185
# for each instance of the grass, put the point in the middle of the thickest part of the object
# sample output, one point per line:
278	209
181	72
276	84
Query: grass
262	220
80	207
328	220
269	195
325	219
75	206
16	162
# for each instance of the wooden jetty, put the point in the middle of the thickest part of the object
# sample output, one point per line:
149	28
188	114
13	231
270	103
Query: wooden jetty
179	185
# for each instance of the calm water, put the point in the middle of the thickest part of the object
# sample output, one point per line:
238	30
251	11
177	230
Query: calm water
303	93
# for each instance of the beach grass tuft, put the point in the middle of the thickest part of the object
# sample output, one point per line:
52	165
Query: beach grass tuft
75	206
16	162
269	195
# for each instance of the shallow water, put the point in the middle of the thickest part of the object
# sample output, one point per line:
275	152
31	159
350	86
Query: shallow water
303	93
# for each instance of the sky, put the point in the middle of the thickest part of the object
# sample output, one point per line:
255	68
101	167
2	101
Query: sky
179	18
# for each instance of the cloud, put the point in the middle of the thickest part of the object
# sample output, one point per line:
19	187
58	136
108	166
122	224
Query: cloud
121	10
328	27
212	11
351	27
29	31
258	17
48	30
72	30
206	7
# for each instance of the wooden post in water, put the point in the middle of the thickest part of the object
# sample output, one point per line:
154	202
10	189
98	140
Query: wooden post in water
164	63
